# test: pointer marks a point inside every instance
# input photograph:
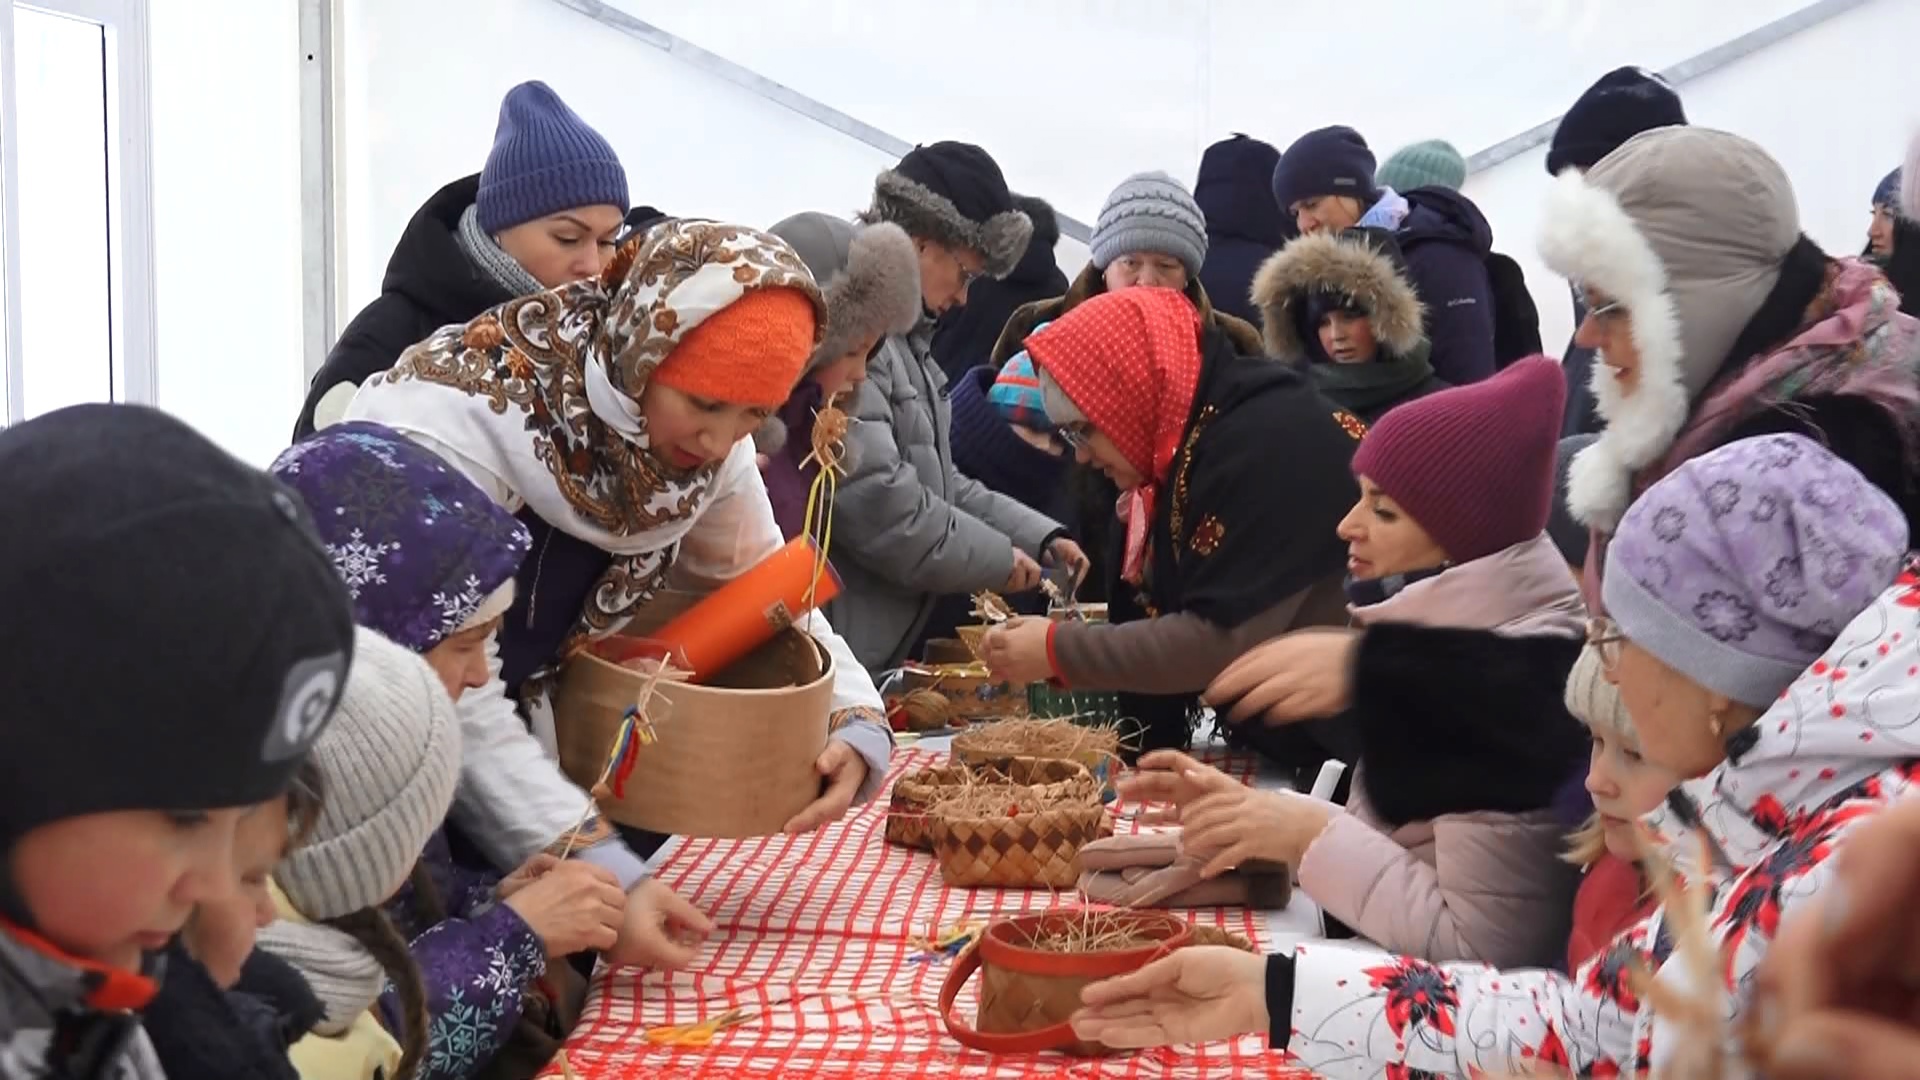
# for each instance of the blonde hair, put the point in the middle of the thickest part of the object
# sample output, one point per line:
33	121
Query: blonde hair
1596	703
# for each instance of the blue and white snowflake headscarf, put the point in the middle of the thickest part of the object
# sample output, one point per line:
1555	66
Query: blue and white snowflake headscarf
423	551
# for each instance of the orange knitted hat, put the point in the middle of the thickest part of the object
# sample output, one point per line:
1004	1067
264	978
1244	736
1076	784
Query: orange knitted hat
750	352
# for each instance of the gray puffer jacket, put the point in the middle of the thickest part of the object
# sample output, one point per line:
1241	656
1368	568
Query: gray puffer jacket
908	527
41	993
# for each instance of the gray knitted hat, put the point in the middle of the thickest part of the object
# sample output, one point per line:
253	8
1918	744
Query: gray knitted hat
390	762
1151	211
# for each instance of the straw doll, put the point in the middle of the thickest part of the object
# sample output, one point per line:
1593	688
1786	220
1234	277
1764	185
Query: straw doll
870	278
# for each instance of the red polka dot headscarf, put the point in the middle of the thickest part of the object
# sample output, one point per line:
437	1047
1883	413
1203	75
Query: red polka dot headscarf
1130	361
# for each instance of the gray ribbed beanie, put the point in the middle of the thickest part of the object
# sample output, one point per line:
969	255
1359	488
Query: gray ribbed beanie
1151	211
390	762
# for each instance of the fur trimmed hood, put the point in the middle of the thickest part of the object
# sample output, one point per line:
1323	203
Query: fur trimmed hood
1346	264
1687	229
1002	237
870	277
869	274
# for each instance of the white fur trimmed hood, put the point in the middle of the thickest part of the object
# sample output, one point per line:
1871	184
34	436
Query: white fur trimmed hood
1686	228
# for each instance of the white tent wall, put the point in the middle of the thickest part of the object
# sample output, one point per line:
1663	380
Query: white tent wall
1829	103
226	218
1069	97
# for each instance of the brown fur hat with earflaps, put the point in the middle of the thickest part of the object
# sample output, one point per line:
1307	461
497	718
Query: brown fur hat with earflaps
870	276
1358	263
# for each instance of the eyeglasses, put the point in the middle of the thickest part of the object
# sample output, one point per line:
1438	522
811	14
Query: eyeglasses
967	277
1604	635
1612	309
1075	438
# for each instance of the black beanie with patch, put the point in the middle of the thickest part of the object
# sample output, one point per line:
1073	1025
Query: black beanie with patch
174	632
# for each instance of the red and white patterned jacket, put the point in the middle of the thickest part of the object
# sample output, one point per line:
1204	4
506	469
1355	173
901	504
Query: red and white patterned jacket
1841	744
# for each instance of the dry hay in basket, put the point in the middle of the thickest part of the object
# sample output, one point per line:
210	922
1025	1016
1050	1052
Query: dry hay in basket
1012	836
1050	782
1031	737
1087	932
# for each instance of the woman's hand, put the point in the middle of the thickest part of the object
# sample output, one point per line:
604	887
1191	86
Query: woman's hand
1169	776
1026	574
530	871
1196	995
662	930
571	907
1304	675
842	770
1839	992
1016	651
1064	552
1228	828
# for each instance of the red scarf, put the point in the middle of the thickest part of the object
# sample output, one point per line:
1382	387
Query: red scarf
1130	360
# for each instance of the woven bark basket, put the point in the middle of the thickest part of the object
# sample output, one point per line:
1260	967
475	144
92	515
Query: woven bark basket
1027	995
914	795
1028	850
735	758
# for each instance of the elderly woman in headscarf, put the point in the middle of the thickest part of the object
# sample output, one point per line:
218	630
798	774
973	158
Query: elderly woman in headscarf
613	417
1220	550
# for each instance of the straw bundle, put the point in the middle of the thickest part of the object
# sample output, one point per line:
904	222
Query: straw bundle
1058	738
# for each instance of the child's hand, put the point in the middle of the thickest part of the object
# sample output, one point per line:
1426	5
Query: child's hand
572	907
662	930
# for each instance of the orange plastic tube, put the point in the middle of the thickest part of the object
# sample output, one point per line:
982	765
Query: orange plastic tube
746	612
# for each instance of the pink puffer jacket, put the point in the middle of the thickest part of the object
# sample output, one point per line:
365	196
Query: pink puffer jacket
1479	886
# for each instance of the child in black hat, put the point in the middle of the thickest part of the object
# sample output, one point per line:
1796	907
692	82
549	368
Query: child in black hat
176	640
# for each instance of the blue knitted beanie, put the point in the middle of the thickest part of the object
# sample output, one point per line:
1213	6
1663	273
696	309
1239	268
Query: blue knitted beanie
545	159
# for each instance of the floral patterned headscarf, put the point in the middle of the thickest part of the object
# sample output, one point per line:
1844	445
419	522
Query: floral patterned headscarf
541	394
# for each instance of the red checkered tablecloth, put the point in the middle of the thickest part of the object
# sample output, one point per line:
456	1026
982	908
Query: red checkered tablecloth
814	938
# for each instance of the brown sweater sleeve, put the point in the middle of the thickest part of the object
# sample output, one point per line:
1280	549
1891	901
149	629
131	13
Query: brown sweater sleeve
1171	654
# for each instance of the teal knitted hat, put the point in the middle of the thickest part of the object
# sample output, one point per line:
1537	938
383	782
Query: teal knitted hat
1433	163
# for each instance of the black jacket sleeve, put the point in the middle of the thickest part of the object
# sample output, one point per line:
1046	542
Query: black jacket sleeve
1279	1000
1453	721
370	344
